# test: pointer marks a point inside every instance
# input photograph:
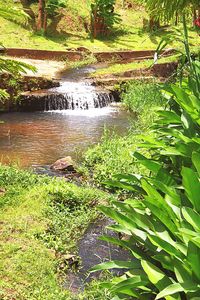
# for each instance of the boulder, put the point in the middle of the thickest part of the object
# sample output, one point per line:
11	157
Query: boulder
63	164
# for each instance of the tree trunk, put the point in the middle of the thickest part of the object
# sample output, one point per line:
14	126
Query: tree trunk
154	23
41	14
45	21
176	20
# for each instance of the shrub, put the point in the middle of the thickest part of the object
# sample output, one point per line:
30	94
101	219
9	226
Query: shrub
103	17
161	226
139	95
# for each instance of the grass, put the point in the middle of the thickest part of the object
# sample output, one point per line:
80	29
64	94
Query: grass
117	68
71	32
113	154
39	218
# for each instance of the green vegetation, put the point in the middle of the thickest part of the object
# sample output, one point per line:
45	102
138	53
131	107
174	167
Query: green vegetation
160	225
163	229
112	154
70	30
120	68
14	69
40	217
153	172
103	17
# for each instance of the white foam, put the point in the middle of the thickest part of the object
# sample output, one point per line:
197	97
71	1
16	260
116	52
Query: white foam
90	113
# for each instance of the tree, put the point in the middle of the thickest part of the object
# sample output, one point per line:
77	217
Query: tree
10	66
103	17
41	15
47	9
168	9
26	4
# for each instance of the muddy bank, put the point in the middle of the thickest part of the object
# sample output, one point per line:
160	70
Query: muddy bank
159	70
79	53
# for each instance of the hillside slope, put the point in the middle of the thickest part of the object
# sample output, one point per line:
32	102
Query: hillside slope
71	30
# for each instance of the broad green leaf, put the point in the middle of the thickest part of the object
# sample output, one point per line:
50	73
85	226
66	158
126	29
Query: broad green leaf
192	187
158	278
175	288
116	264
193	257
128	177
118	217
169	117
161	214
196	161
119	228
154	274
123	185
192	217
128	285
162	244
148	163
170	290
182	271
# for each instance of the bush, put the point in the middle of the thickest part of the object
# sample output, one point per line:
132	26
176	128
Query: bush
161	226
139	95
112	154
103	17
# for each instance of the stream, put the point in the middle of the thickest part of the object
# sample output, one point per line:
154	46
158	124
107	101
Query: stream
73	116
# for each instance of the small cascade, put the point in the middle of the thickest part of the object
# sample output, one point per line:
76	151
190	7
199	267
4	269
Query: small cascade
68	96
77	95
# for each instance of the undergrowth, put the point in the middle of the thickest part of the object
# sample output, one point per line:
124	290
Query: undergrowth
112	154
41	219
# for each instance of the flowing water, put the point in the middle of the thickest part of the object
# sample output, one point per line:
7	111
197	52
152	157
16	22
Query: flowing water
42	137
72	117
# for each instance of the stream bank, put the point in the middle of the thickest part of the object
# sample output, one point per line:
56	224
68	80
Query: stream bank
57	214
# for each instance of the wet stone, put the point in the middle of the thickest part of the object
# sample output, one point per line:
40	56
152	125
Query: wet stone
63	164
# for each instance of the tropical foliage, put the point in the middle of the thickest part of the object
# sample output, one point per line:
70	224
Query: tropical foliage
103	17
168	9
7	65
160	226
13	13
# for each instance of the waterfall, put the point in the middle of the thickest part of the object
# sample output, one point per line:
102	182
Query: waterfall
77	95
80	95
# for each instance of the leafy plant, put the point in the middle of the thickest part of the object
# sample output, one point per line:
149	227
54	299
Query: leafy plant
162	230
9	12
161	226
103	17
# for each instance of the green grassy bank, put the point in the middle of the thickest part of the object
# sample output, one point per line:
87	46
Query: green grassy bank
42	218
70	31
41	221
113	154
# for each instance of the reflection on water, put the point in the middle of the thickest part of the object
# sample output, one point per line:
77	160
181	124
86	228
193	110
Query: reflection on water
41	138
